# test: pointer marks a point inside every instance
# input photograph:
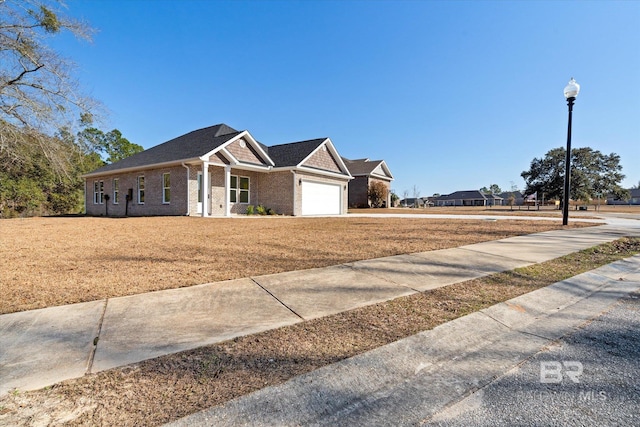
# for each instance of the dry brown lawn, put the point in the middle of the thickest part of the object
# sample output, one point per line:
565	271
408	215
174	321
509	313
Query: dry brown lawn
54	261
544	211
169	387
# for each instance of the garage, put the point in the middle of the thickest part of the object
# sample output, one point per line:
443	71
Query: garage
320	198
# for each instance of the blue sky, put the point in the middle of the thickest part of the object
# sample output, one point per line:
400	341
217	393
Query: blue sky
453	95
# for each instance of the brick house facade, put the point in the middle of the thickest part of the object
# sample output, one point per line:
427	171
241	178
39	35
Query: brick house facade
219	171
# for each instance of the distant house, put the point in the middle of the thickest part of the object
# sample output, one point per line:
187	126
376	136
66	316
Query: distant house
218	171
518	198
493	200
634	198
412	202
467	198
364	173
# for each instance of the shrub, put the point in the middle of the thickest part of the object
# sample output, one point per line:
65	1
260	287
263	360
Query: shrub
377	194
250	210
260	210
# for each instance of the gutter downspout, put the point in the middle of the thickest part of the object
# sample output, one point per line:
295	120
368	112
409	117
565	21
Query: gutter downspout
188	190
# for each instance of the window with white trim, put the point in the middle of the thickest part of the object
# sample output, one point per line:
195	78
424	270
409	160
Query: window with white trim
166	188
239	189
116	191
98	192
141	190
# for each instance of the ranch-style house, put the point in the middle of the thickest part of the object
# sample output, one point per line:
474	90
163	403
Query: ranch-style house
220	171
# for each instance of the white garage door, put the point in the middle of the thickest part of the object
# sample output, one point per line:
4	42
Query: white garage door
320	199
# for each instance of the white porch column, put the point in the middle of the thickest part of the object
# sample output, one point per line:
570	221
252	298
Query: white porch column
205	189
227	184
295	192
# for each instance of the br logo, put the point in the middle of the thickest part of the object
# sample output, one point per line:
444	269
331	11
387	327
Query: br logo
552	372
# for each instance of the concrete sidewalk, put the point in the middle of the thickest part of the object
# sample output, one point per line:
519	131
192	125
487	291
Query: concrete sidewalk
42	347
412	380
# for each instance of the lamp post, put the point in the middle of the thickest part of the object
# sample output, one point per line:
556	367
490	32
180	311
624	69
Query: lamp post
570	93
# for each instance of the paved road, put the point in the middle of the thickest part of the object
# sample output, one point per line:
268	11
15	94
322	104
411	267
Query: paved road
604	359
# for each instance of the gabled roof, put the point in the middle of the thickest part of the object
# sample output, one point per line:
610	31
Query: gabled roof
203	143
506	194
189	146
466	195
366	167
293	153
493	196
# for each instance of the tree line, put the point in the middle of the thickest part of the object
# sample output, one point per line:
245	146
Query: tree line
48	138
32	180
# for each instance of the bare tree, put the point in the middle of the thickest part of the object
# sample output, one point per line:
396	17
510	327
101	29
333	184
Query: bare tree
416	195
38	95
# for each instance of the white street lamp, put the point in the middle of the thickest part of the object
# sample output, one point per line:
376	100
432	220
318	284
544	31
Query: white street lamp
572	89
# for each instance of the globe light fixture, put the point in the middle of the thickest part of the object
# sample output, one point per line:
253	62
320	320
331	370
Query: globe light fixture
571	91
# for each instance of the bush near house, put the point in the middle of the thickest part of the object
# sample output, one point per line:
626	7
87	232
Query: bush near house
260	210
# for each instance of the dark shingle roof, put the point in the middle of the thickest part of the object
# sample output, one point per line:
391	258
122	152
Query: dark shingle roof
361	166
191	145
494	196
293	153
471	194
507	194
200	142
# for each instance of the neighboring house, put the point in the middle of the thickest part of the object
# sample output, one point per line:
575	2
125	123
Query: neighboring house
412	202
365	172
493	200
219	171
465	198
634	198
518	198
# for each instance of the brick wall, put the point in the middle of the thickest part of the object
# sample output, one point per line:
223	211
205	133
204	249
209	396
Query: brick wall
359	192
193	189
272	190
276	191
152	205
